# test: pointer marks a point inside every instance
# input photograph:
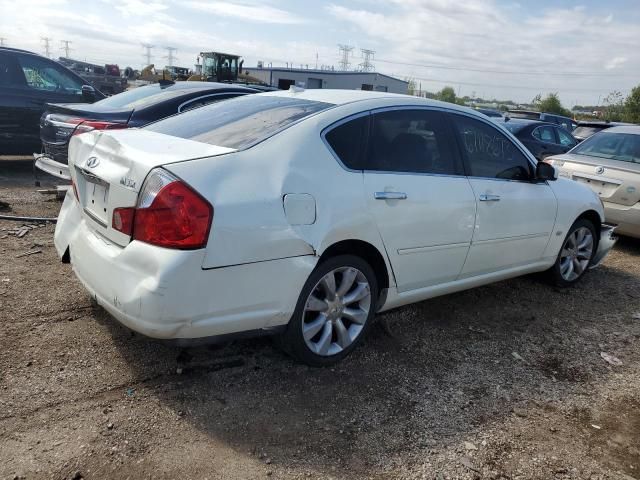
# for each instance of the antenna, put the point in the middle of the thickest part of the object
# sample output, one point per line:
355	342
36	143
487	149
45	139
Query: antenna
366	65
66	47
345	51
147	53
170	55
47	46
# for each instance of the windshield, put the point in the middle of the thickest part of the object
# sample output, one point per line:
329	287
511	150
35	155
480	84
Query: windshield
138	97
239	122
615	146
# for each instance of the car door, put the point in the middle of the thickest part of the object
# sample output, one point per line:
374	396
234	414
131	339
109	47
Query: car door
516	214
13	109
422	203
44	82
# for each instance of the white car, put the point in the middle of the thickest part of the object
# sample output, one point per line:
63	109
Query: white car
305	212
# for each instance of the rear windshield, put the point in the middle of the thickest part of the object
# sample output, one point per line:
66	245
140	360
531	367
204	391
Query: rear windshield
616	146
139	97
584	132
239	122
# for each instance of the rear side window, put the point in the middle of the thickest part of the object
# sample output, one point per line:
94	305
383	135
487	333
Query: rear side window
565	139
416	141
239	122
545	134
488	152
346	140
10	74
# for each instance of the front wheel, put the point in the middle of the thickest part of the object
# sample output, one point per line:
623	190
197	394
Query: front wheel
576	253
335	308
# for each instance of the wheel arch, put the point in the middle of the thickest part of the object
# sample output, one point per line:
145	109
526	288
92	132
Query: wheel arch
593	217
367	252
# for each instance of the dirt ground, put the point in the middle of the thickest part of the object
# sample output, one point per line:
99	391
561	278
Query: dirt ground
501	382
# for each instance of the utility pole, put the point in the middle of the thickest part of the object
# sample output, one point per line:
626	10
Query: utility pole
170	55
47	46
345	51
66	47
366	65
147	53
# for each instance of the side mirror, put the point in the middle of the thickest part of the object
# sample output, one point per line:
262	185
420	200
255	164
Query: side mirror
88	93
545	171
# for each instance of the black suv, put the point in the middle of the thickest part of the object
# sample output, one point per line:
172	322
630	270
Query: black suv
27	82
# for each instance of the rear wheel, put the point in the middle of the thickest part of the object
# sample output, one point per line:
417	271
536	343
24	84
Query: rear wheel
576	253
334	310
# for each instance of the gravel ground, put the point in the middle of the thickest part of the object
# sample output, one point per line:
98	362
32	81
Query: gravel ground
504	381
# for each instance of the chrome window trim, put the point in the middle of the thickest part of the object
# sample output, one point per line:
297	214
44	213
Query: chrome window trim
219	94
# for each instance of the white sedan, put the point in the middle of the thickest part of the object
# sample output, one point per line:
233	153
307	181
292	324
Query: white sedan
303	213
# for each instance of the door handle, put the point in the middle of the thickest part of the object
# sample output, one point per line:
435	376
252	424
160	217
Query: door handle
390	196
485	197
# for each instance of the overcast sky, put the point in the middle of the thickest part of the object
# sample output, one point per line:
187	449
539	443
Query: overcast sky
492	48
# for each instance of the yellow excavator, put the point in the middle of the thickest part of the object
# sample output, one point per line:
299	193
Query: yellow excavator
221	67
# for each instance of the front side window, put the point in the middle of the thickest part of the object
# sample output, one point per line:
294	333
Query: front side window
239	122
415	141
545	134
565	139
42	74
615	146
346	140
488	152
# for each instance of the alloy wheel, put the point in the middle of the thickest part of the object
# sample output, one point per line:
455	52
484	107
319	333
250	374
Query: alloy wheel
576	254
336	311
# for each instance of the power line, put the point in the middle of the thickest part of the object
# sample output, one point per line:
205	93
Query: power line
47	46
170	55
147	53
508	72
65	46
366	65
345	51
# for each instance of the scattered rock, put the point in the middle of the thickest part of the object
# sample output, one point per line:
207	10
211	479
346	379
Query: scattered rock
517	356
470	446
77	476
109	426
467	462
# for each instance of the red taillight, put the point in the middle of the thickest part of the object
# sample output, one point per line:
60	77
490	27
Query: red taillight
122	220
170	214
88	125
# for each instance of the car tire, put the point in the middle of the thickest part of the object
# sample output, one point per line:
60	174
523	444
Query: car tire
332	316
576	254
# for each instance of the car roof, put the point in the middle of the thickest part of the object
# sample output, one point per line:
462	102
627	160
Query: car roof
343	97
523	121
600	123
19	50
633	129
191	86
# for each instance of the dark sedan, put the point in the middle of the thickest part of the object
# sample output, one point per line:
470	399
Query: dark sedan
133	108
541	138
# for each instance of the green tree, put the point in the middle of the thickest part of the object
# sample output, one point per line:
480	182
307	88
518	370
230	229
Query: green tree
447	94
614	106
552	104
632	106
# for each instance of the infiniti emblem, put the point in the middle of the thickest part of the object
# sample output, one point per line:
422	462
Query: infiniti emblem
92	162
600	170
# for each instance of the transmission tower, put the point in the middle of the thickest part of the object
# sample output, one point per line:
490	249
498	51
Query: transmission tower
2	39
170	55
366	65
65	46
147	53
47	46
345	51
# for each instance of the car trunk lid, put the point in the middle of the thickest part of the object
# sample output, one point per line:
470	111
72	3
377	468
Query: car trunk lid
610	179
109	168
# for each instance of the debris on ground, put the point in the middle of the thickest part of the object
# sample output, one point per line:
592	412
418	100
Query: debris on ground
30	252
607	357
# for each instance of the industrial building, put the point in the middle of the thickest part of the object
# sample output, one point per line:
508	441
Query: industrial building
283	78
